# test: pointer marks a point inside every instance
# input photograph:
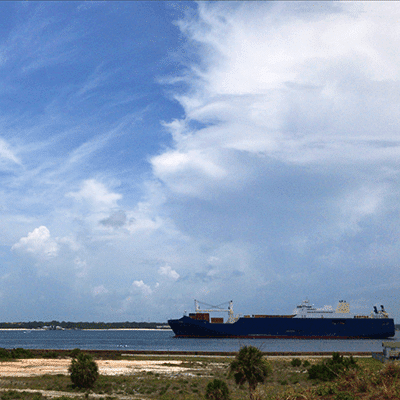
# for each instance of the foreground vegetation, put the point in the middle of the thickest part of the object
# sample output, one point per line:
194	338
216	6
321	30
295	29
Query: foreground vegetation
333	378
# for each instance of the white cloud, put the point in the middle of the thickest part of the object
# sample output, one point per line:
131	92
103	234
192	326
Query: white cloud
39	243
145	289
302	89
169	272
96	194
7	154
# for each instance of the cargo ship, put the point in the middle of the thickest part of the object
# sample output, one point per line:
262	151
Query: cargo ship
306	322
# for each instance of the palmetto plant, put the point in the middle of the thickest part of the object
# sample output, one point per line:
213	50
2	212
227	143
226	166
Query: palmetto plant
249	367
217	390
84	371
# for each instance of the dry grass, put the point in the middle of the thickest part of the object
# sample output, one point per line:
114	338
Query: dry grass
186	378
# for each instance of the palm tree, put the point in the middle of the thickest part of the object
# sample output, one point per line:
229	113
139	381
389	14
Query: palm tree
249	366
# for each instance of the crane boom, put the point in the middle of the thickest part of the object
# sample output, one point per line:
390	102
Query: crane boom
231	318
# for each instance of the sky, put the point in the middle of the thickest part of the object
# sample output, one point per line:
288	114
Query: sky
152	153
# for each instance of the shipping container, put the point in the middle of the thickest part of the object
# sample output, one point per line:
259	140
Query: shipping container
200	316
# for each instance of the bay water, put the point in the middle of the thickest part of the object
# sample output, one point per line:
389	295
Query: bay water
164	340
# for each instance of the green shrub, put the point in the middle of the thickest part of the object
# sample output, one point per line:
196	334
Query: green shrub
21	353
217	390
50	354
4	354
295	362
10	395
332	368
83	371
73	353
325	390
344	396
306	363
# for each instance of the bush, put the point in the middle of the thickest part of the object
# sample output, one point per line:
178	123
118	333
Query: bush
344	396
21	353
217	390
306	363
325	390
331	369
51	354
73	353
296	362
10	395
4	354
391	370
84	371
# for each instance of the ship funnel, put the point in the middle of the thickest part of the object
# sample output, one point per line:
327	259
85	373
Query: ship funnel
383	308
375	310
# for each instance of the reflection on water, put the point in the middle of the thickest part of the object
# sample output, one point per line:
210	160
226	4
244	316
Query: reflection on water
164	340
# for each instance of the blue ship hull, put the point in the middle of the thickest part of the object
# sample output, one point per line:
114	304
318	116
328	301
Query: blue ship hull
286	328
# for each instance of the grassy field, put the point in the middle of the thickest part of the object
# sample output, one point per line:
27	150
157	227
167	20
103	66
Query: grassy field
371	380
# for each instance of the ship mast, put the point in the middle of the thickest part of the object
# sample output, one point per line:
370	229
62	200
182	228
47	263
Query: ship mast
231	317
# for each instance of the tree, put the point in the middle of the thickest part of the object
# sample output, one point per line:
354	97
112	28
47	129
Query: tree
83	370
249	366
217	390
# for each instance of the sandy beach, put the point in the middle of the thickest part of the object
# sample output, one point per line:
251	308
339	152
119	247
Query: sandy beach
34	367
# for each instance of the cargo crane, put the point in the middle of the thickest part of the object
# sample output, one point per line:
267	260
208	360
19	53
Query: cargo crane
231	316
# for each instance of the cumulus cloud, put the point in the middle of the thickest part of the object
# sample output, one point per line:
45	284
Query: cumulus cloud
39	243
96	194
307	89
140	285
166	270
288	150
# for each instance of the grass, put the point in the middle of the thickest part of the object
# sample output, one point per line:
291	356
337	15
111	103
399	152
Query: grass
289	381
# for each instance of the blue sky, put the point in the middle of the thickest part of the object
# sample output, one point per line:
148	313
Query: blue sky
156	152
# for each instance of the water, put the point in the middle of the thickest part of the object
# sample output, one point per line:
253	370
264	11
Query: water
164	340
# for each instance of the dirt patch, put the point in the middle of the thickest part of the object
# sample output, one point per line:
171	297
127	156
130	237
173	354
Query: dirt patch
35	367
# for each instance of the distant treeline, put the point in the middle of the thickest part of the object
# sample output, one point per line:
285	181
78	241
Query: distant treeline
82	325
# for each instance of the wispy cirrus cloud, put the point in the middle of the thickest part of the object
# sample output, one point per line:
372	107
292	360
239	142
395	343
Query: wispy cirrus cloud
39	42
6	154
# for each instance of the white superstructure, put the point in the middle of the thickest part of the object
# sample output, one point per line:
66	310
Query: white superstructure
307	310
